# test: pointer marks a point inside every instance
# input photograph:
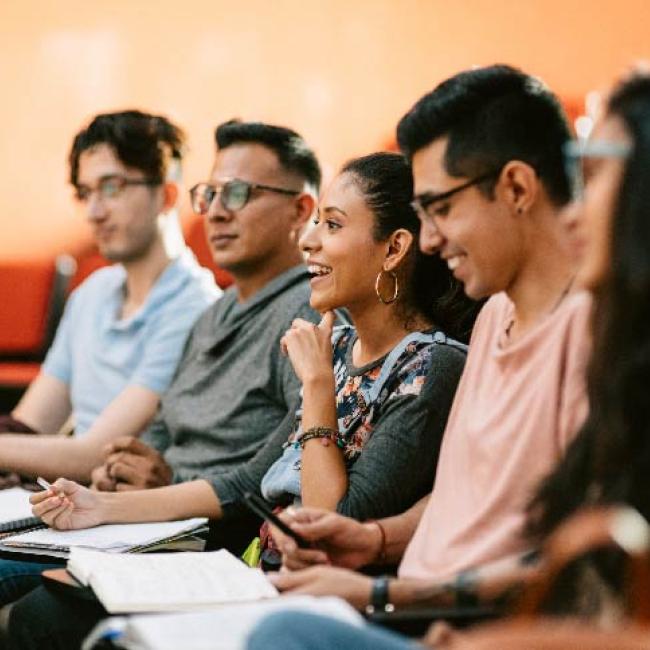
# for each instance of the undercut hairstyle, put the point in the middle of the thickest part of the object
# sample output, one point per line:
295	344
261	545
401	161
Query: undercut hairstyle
291	150
385	181
150	143
491	116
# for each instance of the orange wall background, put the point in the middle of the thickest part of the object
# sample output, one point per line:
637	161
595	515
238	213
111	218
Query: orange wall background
339	71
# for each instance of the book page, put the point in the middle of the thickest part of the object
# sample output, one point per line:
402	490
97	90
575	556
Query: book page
14	504
109	537
168	581
225	628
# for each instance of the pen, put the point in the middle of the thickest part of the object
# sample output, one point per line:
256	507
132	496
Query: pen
48	486
43	483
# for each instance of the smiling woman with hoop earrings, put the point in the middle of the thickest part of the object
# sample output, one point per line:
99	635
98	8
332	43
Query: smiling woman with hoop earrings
376	393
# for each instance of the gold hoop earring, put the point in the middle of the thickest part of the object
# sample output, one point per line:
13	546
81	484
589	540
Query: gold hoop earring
393	298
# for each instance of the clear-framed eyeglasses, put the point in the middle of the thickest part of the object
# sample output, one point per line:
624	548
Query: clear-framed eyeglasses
110	187
577	151
233	194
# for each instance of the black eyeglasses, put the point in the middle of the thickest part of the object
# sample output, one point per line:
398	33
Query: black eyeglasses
233	195
422	203
110	187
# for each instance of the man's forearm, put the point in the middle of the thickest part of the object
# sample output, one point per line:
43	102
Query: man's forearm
49	456
399	530
501	578
420	593
45	406
75	458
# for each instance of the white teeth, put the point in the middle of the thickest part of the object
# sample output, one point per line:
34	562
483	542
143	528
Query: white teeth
317	269
453	262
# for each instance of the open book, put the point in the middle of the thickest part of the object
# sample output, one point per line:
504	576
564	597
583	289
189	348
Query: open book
16	510
167	582
225	628
112	538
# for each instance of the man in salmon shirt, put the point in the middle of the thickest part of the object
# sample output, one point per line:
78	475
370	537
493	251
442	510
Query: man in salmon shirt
486	149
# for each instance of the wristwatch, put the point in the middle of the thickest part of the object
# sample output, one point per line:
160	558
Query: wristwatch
379	597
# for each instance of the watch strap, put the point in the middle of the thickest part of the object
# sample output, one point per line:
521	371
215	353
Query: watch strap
379	596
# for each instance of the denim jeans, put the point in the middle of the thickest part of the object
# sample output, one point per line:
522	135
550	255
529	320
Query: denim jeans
300	630
18	578
45	620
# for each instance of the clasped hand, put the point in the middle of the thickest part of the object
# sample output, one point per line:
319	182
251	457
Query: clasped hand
131	465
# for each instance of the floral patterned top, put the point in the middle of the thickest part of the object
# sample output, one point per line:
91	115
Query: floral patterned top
391	413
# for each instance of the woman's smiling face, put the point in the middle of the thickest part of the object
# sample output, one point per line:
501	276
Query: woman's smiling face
341	252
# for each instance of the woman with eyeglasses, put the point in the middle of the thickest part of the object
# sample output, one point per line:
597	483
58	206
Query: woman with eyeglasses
376	394
610	461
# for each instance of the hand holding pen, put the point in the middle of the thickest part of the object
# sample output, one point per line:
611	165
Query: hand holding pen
66	505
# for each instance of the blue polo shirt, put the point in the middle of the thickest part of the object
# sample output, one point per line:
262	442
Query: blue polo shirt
98	355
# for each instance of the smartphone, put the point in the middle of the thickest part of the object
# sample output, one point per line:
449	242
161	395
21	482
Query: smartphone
261	508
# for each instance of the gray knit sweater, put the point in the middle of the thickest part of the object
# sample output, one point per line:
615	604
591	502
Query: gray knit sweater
234	391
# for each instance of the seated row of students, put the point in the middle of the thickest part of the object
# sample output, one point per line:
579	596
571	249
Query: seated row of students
378	397
368	392
522	395
607	463
233	389
521	398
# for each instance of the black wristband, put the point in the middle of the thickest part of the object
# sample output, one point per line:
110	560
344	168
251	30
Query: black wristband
379	597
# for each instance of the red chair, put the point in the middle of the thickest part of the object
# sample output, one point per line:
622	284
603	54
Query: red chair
33	295
195	237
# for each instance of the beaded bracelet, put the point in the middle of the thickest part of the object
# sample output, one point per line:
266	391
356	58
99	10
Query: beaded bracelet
324	433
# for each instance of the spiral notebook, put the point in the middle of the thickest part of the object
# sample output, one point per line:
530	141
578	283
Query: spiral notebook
110	538
16	511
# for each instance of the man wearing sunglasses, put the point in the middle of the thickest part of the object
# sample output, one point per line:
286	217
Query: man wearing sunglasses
124	328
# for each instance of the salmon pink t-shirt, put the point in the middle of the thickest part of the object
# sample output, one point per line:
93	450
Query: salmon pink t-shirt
518	405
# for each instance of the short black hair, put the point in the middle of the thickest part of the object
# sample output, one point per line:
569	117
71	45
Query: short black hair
140	140
292	151
492	115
